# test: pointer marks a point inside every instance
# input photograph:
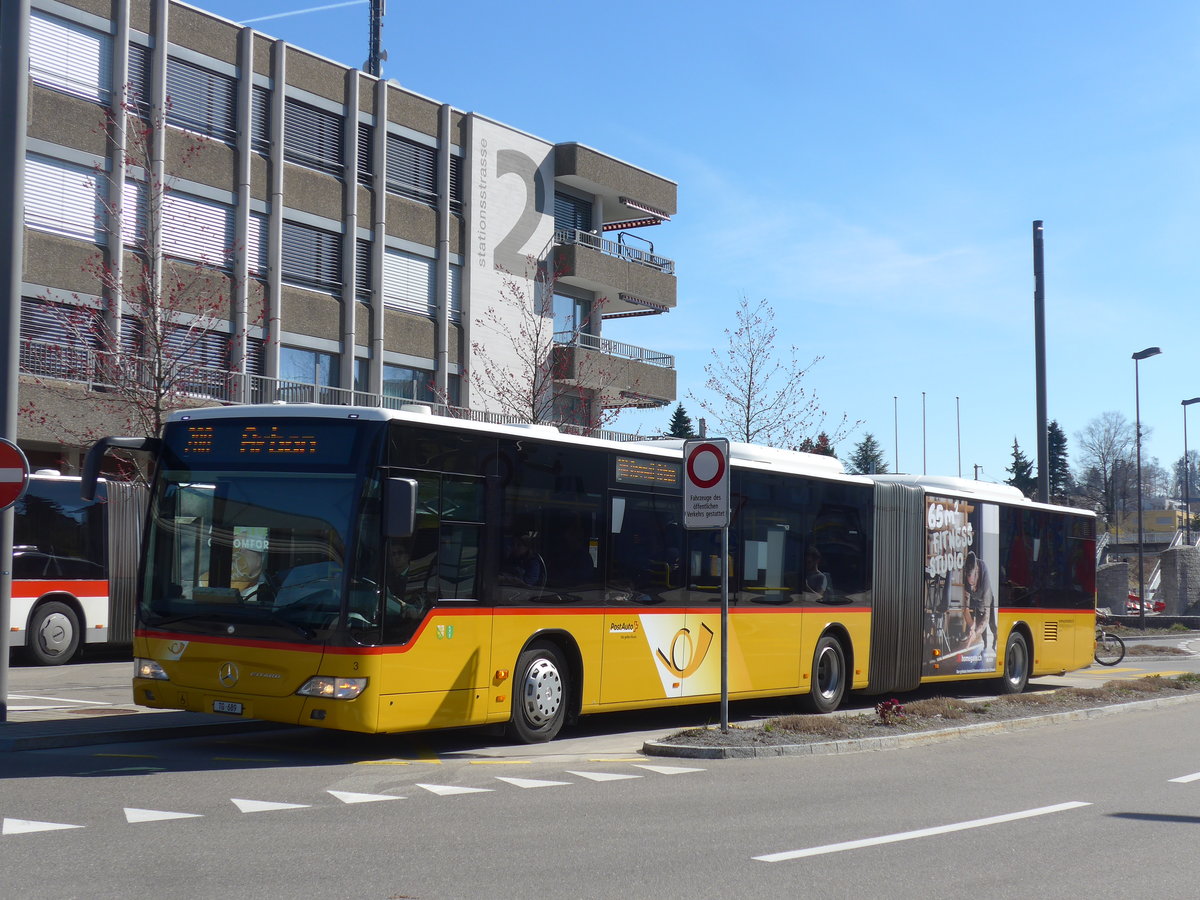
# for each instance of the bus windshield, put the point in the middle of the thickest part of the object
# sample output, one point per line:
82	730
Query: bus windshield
256	554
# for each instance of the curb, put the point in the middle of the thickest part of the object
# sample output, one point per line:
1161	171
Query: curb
41	737
893	742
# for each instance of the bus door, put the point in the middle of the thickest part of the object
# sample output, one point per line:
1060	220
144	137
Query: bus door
654	645
436	635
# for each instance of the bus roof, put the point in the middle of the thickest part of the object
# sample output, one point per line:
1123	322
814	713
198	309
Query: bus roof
984	490
750	455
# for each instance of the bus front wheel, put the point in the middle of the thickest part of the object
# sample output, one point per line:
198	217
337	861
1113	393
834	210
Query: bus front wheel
828	676
53	635
1016	664
540	694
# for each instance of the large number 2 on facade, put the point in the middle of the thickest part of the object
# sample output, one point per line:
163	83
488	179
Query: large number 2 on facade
508	255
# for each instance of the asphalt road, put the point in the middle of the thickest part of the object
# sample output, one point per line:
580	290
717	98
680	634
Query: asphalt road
1095	808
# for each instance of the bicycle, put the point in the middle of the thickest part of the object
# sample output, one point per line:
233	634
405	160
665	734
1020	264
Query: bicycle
1110	649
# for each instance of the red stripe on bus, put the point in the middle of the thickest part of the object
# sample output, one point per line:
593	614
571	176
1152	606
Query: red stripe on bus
30	589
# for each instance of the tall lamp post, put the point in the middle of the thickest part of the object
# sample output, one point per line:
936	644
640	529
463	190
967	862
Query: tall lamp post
1187	474
1137	407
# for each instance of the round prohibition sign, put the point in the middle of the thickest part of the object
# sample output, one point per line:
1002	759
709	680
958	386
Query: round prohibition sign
706	465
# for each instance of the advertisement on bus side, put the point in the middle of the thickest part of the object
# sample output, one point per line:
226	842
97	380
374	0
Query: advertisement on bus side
962	550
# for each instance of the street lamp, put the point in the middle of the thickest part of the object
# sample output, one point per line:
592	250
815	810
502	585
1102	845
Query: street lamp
1137	407
1187	474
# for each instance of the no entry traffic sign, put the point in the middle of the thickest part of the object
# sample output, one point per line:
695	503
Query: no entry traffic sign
14	473
706	484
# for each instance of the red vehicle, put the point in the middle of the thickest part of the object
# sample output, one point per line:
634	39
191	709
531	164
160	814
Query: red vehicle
1133	606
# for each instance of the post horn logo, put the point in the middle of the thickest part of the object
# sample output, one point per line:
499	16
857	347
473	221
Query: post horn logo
228	674
684	659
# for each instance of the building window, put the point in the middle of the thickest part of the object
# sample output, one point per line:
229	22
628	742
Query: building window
570	316
455	293
456	187
260	119
201	101
197	230
138	87
312	137
572	212
312	257
69	57
304	366
411	169
408	383
57	339
408	282
366	153
362	269
63	198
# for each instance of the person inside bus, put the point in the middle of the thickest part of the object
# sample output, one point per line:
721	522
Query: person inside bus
815	581
524	566
406	599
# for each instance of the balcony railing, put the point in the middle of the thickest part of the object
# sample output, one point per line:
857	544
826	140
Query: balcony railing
615	249
615	348
93	369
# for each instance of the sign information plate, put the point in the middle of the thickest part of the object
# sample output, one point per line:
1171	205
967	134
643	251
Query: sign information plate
14	473
706	484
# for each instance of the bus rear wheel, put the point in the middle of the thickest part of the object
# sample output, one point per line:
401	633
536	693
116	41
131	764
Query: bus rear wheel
53	636
828	677
540	693
1016	664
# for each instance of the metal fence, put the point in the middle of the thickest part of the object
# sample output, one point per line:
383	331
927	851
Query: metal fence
615	249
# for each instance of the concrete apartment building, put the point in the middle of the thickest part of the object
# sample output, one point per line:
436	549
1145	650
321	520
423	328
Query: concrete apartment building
351	234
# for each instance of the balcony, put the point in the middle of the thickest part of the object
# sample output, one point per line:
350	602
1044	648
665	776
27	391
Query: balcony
203	386
634	280
621	375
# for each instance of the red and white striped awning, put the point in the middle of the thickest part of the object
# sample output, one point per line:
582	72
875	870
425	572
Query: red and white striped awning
646	208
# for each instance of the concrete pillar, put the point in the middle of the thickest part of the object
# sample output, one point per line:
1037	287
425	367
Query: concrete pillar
1112	587
1180	585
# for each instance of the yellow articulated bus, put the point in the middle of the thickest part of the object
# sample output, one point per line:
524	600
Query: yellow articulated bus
381	571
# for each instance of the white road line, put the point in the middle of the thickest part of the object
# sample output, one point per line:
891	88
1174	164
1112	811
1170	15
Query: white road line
133	815
602	776
354	797
531	782
252	806
1184	779
26	826
59	699
924	832
669	770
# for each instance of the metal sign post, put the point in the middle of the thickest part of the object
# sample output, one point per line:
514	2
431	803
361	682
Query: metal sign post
706	508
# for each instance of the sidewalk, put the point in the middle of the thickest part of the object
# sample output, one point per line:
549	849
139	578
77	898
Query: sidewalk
74	727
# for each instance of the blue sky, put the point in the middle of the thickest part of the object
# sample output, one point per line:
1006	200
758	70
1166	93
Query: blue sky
872	169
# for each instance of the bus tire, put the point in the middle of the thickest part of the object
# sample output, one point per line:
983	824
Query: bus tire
540	692
828	677
1016	664
53	636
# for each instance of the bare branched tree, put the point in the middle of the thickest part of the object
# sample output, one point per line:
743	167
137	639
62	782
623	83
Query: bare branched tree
1106	462
524	369
140	354
756	392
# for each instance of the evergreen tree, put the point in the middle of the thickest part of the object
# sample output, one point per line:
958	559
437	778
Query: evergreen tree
1061	483
867	457
1021	471
681	423
820	445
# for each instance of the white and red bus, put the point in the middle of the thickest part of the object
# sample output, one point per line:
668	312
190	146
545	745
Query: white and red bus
74	566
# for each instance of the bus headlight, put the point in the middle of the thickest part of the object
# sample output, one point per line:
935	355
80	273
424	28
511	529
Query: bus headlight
148	668
331	688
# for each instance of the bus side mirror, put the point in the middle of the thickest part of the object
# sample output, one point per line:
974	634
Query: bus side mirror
399	506
95	456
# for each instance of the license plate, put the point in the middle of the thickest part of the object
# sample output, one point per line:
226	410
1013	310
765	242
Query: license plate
223	706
